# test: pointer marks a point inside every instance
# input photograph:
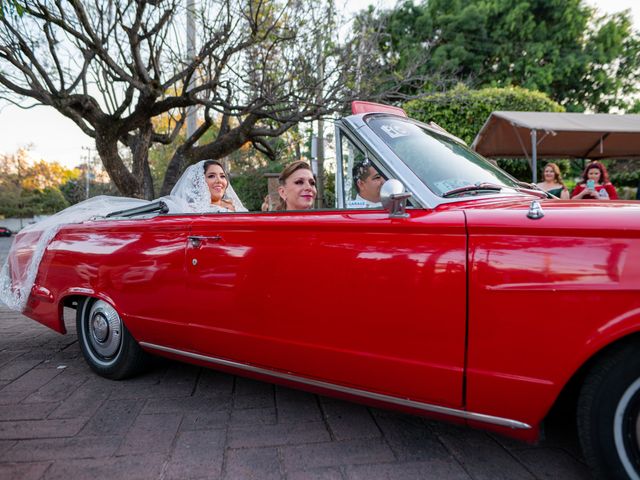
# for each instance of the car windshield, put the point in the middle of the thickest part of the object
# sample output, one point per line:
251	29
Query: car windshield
446	166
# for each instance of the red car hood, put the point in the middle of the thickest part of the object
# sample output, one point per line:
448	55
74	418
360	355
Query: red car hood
572	217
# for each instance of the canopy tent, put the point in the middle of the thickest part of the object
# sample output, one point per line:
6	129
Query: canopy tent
558	135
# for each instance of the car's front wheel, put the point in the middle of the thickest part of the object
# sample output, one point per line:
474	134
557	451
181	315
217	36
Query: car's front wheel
106	344
609	414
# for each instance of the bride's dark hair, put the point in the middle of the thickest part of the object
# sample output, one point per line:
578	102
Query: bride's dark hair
208	163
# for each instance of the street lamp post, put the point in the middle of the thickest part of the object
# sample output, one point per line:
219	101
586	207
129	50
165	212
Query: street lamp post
87	158
191	53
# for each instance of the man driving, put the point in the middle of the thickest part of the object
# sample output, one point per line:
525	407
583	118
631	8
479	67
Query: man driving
368	182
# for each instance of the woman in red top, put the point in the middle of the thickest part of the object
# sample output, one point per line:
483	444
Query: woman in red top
595	184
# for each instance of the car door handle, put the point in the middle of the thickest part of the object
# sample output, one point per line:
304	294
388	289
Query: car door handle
197	241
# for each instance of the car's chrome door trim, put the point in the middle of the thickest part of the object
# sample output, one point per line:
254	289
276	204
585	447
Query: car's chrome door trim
505	422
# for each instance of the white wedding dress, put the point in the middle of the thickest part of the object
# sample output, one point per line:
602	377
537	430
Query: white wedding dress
17	276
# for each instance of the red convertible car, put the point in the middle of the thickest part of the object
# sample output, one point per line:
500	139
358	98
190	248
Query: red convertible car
467	296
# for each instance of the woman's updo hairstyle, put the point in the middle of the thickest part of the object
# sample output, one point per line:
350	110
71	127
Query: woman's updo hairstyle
286	173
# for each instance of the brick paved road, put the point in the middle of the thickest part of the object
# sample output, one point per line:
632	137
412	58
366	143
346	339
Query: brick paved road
58	420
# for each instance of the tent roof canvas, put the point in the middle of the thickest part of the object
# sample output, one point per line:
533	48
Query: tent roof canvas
558	135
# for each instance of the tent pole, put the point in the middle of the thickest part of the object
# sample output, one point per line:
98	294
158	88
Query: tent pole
534	154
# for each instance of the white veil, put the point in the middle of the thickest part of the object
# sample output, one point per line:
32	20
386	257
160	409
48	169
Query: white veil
191	193
20	268
17	276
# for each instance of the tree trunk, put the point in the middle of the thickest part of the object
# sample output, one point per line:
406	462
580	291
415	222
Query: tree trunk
140	151
125	181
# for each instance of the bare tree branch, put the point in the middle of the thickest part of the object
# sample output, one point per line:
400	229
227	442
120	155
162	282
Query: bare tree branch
120	71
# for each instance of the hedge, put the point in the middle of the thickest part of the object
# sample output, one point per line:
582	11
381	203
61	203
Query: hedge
463	112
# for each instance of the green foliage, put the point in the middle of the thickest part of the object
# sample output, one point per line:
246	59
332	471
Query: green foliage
41	188
48	201
625	179
28	189
10	200
463	112
624	173
27	203
251	185
554	46
329	190
634	108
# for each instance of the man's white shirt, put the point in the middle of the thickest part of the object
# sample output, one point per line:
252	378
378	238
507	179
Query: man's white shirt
360	202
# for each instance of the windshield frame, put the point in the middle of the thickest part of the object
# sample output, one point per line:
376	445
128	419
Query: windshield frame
358	125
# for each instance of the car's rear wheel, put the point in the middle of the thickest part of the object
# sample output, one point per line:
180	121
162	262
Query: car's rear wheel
609	415
106	344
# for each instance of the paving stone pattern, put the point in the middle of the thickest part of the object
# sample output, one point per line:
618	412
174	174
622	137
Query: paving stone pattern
58	420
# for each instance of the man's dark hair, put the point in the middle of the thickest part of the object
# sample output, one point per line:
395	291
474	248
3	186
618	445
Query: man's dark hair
361	172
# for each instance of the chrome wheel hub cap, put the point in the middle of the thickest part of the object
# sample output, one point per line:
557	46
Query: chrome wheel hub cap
100	328
105	329
626	426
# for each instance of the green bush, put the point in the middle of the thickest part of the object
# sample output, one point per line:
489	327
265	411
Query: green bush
625	179
29	202
463	112
251	185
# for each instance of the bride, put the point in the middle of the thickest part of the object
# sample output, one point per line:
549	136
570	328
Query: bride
203	187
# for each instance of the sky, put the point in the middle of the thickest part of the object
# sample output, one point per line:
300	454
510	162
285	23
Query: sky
54	137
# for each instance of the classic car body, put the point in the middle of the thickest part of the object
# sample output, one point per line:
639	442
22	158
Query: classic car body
465	307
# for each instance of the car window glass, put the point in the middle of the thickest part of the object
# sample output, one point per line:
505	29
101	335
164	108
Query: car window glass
358	164
442	163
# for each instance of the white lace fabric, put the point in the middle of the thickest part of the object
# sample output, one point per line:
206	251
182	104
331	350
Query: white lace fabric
18	274
191	192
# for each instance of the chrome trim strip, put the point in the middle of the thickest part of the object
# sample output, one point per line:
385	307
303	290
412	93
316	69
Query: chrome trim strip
505	422
339	188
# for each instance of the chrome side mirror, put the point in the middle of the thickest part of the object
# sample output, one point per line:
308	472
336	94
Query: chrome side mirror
394	198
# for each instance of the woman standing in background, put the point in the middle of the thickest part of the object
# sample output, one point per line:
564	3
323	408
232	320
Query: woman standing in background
553	182
595	184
